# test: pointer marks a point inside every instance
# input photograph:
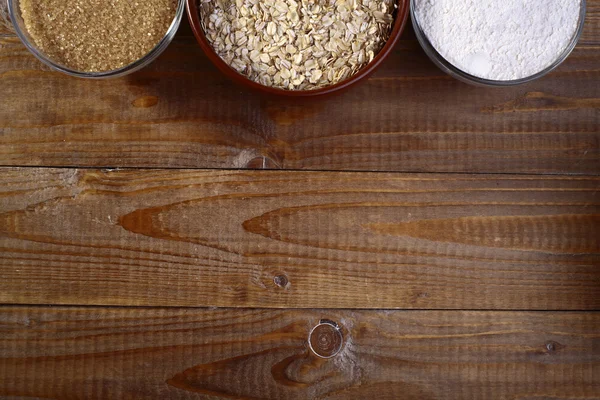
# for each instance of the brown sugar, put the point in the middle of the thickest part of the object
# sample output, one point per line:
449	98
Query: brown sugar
97	35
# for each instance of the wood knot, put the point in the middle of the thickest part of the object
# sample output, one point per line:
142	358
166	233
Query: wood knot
553	346
281	281
145	102
325	339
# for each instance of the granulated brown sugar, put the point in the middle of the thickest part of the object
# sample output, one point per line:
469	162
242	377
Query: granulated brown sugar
97	35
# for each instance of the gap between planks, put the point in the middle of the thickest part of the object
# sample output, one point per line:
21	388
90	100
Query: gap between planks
316	171
316	309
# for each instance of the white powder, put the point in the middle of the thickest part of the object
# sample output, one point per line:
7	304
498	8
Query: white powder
499	39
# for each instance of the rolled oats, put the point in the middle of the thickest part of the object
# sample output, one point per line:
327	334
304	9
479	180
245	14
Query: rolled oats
297	44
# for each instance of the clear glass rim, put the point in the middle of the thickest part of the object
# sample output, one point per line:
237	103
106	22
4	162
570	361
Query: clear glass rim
136	65
459	74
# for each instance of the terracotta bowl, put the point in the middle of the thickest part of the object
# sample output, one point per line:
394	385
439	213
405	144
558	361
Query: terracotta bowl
399	24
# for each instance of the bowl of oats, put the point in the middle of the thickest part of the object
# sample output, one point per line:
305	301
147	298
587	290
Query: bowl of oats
96	38
298	48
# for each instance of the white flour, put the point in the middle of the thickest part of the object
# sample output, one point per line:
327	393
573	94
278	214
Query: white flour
499	39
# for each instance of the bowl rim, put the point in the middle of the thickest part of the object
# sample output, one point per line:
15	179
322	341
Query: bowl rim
134	66
450	69
399	26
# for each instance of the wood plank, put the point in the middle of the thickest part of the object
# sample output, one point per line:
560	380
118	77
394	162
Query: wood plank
181	112
299	239
591	32
97	353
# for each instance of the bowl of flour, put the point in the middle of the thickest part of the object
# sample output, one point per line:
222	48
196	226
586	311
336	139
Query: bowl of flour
498	42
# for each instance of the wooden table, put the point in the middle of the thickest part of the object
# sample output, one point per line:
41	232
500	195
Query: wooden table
168	235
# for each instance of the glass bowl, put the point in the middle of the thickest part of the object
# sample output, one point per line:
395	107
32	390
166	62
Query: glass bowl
14	10
397	29
451	70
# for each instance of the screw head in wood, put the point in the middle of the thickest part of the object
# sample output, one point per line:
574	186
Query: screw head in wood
326	339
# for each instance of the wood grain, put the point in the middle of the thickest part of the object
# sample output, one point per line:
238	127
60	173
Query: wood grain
6	28
98	353
591	33
181	112
320	240
298	239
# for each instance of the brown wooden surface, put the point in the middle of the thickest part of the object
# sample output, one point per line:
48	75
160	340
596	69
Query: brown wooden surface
181	112
99	353
522	247
356	240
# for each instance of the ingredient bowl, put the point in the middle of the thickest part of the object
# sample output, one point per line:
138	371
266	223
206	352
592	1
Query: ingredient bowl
14	9
457	73
400	17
